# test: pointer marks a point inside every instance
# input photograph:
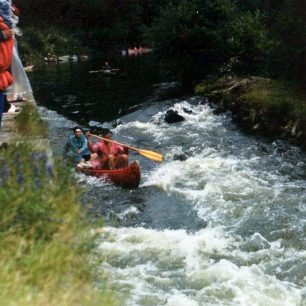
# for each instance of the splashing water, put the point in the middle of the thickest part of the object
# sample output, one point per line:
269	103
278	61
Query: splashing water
220	222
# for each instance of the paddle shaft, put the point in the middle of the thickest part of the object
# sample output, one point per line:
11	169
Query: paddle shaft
113	141
104	70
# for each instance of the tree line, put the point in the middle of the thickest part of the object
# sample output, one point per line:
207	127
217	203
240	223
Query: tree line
191	37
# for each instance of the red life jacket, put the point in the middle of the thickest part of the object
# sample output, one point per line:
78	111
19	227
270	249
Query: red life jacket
6	53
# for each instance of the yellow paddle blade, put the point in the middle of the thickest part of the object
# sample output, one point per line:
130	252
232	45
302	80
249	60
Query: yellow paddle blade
151	155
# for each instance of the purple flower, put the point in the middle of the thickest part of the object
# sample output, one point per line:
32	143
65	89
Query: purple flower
50	170
18	169
19	178
4	172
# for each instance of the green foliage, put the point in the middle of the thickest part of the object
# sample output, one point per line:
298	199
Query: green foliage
184	39
37	43
200	36
29	122
43	241
276	95
288	59
28	199
200	89
249	42
102	23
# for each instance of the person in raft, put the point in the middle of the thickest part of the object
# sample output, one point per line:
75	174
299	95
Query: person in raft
106	154
107	67
77	146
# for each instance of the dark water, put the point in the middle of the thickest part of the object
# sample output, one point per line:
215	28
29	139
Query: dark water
81	96
223	226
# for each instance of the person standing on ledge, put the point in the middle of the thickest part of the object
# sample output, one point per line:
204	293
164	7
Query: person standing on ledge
21	88
7	43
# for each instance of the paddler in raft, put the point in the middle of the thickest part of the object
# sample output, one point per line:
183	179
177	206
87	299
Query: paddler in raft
106	155
106	69
76	146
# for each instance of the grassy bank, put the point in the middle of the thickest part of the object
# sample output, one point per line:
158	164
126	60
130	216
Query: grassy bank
259	94
272	94
45	244
29	123
267	106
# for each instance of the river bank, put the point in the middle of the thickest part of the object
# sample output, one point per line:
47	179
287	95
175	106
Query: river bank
261	106
45	242
35	45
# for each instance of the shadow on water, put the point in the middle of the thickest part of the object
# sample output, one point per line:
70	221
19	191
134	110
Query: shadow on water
146	207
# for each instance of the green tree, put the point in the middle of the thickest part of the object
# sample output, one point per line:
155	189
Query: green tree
288	26
249	42
195	37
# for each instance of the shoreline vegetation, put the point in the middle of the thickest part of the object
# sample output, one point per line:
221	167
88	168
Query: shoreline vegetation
262	106
35	45
45	240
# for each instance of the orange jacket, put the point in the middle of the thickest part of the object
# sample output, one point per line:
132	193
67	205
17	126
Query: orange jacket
6	53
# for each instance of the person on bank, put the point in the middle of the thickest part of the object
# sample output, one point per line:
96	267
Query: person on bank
106	154
77	146
7	42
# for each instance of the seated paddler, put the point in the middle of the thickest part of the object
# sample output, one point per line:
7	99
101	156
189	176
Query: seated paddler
76	147
106	154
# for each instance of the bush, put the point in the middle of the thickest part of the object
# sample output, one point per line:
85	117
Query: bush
43	241
29	122
37	43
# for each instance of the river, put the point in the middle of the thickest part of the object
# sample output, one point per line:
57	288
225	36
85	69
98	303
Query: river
225	225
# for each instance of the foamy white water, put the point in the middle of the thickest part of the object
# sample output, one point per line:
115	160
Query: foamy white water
220	222
169	267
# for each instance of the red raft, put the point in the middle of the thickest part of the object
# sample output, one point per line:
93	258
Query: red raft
128	177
